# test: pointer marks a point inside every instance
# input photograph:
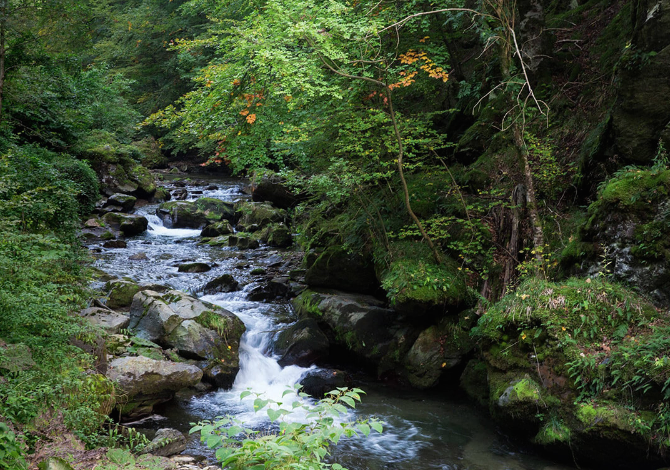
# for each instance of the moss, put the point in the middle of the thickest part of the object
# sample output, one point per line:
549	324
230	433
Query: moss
307	304
143	178
635	189
553	432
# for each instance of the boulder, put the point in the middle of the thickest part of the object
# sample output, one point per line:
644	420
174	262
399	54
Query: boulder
111	322
195	214
243	241
302	344
277	287
128	224
166	443
196	329
125	201
335	268
279	236
257	214
144	382
180	194
194	268
120	293
161	195
321	381
115	244
217	229
223	283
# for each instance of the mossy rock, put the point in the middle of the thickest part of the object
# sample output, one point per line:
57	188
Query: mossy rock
217	229
120	293
194	268
474	380
195	214
258	214
146	185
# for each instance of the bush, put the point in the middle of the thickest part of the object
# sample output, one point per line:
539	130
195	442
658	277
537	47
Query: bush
294	445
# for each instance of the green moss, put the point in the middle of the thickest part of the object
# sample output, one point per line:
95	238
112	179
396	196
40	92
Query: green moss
553	432
635	189
307	304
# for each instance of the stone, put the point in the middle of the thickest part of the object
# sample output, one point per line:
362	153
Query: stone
258	214
120	293
217	229
195	214
111	322
139	257
128	224
321	381
144	382
270	187
125	201
301	344
115	244
194	268
223	283
277	287
166	443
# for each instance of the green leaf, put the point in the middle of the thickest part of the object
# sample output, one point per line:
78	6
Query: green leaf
377	426
364	428
273	414
244	394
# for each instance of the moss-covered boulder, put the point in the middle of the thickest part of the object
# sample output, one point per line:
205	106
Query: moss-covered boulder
257	214
197	330
124	201
195	214
277	235
336	268
120	293
128	224
552	350
217	229
416	285
267	186
361	325
194	268
243	241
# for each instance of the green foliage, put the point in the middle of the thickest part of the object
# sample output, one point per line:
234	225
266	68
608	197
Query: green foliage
299	445
11	457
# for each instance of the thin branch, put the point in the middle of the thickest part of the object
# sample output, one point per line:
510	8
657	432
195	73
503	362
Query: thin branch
433	12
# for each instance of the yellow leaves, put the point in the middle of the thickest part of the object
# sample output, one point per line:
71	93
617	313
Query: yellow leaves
424	39
444	365
244	112
251	118
428	66
288	98
523	336
236	82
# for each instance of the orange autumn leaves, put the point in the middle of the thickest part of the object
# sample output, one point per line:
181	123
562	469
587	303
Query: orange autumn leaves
251	100
428	66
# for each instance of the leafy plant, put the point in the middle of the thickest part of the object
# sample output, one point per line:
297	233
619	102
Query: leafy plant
296	445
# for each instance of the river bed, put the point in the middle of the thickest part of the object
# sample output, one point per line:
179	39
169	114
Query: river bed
422	430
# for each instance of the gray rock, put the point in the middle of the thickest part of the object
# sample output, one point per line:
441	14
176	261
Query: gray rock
302	344
128	224
125	201
111	322
194	268
166	443
223	283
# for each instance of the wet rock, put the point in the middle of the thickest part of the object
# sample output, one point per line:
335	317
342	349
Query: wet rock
116	244
139	257
161	195
321	381
194	268
224	283
128	224
302	344
243	241
335	268
217	229
180	194
145	382
275	288
124	201
111	322
166	443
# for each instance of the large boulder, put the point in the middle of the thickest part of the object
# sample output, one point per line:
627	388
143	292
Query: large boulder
318	382
166	442
336	268
196	329
144	383
223	283
302	344
195	214
217	229
128	224
361	325
120	293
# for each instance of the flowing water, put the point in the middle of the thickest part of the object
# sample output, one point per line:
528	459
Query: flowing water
422	430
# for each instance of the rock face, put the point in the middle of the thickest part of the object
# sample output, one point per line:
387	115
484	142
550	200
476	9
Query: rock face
128	224
195	214
302	344
337	269
359	324
145	382
197	330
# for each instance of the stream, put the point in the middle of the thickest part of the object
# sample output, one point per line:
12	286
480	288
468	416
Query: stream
422	430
